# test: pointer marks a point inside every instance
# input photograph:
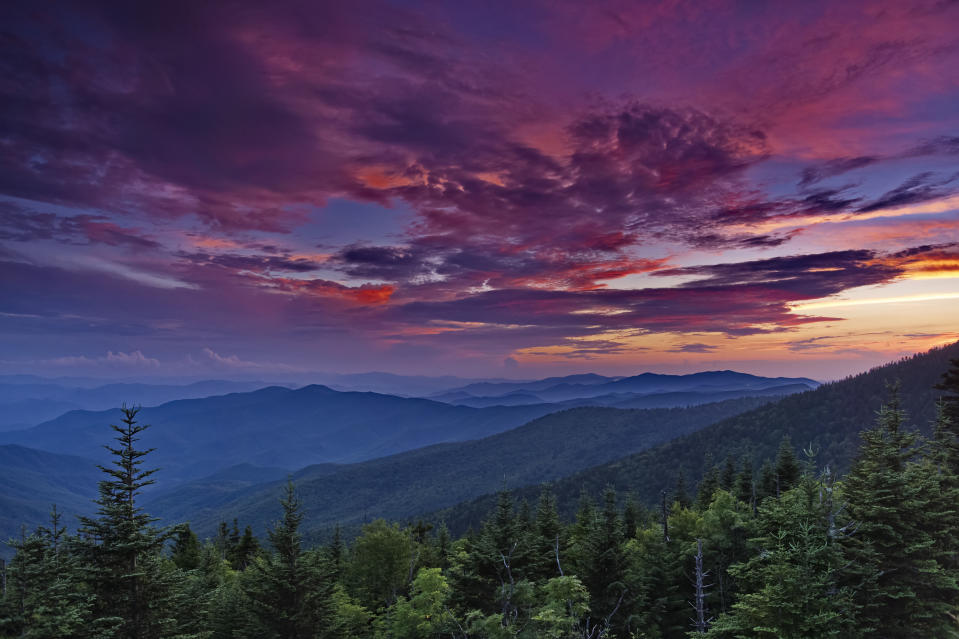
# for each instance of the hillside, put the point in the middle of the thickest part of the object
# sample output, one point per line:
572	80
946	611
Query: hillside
277	427
33	480
419	480
710	385
26	401
828	418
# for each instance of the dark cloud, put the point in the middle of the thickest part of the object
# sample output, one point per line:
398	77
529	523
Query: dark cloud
257	263
694	348
815	173
805	276
19	224
919	188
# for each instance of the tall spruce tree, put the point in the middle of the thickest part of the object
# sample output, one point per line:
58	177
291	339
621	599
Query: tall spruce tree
120	548
787	466
745	490
788	588
950	384
903	589
290	590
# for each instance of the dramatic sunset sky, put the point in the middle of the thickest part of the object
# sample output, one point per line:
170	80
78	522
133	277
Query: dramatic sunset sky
476	188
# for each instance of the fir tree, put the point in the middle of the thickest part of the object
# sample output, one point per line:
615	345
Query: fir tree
788	588
903	588
602	568
787	467
767	481
707	488
728	475
336	550
681	492
545	537
744	489
186	552
290	589
950	384
120	548
632	515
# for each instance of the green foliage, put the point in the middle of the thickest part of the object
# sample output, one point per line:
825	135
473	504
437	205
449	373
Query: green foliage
290	590
787	467
788	556
423	615
788	586
120	548
902	581
381	564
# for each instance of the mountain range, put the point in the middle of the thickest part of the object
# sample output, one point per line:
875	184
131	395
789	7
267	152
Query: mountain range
355	456
826	421
621	391
415	481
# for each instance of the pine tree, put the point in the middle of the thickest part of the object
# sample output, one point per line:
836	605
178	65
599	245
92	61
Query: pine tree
336	550
602	567
186	549
903	589
290	590
744	489
245	550
787	468
545	538
681	492
632	516
728	475
767	481
950	384
707	488
120	548
788	588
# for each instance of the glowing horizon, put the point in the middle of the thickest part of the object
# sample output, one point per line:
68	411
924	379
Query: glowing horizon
481	189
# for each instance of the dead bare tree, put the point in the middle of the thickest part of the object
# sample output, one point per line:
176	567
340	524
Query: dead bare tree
700	622
665	518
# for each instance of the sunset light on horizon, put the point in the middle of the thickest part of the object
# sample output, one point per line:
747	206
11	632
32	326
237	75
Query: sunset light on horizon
498	189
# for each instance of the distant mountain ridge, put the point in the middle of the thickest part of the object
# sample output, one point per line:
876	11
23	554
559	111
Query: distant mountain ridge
277	426
33	480
26	400
828	419
408	483
591	386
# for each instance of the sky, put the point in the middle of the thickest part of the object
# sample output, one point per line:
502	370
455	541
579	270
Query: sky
508	189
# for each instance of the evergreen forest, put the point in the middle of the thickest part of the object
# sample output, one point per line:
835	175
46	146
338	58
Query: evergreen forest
789	550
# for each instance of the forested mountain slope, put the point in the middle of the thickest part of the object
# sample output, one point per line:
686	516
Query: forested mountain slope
421	480
26	401
829	419
277	426
33	480
579	387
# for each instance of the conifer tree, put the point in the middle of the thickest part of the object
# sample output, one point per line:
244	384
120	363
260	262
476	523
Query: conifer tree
788	588
290	590
902	587
744	489
336	550
707	488
681	492
767	481
545	538
120	548
602	567
186	553
632	514
245	550
728	475
787	466
950	384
